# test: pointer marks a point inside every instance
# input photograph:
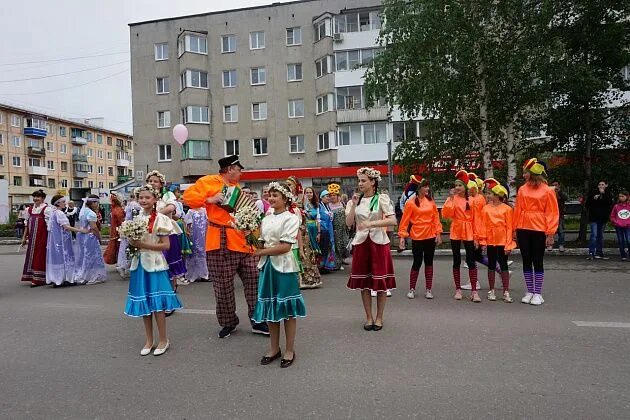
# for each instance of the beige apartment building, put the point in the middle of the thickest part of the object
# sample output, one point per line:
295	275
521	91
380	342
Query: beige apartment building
60	155
281	85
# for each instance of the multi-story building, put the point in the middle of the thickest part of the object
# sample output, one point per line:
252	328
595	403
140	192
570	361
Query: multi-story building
60	155
281	85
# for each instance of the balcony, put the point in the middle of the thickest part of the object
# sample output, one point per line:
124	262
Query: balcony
123	163
362	153
80	174
36	151
79	141
361	115
35	132
124	178
78	157
38	170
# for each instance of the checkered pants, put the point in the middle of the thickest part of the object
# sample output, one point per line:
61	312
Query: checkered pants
223	265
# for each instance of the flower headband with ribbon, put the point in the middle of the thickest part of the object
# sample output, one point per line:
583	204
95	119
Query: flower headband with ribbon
149	188
157	174
370	173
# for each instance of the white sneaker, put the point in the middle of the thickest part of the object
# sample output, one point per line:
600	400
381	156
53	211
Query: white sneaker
510	262
428	294
411	294
537	300
507	298
561	248
389	294
478	285
491	295
466	286
527	298
373	293
465	265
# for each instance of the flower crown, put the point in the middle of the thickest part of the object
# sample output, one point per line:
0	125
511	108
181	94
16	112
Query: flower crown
282	189
149	188
370	173
155	173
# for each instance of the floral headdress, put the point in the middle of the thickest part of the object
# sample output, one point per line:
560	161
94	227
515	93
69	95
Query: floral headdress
149	188
282	189
298	185
157	174
370	173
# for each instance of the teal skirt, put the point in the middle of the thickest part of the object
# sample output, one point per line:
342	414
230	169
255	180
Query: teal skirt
279	296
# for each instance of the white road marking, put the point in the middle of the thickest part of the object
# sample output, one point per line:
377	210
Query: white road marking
602	324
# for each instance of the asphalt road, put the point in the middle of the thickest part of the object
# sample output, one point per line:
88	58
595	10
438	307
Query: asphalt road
71	353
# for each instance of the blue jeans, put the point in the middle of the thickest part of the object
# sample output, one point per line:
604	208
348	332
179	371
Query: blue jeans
597	238
623	239
560	231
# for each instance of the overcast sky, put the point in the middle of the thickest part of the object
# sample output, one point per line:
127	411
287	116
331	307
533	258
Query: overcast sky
46	30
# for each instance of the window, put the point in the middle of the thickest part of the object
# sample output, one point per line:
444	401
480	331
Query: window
64	183
229	78
51	130
1	139
63	148
51	182
50	165
78	183
324	103
194	79
50	146
129	145
161	51
90	169
110	171
17	161
161	85
110	156
259	111
322	66
294	72
321	30
196	149
62	131
163	120
195	115
90	136
230	113
110	142
192	43
349	97
323	141
228	43
164	153
90	184
358	22
15	120
296	144
231	147
294	36
374	133
296	108
99	154
101	184
1	160
64	166
353	59
101	170
260	146
1	118
17	141
256	40
90	152
35	143
258	76
17	181
99	139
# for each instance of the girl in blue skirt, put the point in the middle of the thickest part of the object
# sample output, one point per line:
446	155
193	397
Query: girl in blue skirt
279	297
150	290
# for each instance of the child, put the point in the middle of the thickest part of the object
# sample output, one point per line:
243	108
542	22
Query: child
60	255
495	233
90	266
279	297
620	218
196	226
150	289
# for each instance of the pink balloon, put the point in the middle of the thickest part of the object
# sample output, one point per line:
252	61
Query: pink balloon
180	132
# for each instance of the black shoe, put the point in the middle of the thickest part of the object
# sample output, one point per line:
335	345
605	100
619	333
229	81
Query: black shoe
368	327
284	363
168	313
260	328
226	331
378	327
266	359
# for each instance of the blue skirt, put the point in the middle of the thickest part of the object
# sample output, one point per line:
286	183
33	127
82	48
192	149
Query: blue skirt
150	292
279	296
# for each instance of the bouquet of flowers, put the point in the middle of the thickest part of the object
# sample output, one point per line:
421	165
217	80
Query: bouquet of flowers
248	220
133	230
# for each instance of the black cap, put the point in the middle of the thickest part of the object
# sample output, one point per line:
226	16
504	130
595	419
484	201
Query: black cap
229	161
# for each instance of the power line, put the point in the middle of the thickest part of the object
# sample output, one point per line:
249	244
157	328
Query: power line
69	87
62	59
63	74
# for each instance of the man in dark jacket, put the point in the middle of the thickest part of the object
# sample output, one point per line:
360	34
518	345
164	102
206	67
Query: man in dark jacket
598	205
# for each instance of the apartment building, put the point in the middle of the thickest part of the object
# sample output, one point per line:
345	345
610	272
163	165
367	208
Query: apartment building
281	85
60	155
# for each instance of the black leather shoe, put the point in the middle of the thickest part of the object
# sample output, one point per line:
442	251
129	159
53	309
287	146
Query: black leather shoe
377	327
266	359
284	363
368	327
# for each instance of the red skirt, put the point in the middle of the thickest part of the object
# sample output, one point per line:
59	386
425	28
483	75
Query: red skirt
372	267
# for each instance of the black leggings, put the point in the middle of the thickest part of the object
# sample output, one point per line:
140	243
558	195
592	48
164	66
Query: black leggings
532	244
497	253
469	246
423	249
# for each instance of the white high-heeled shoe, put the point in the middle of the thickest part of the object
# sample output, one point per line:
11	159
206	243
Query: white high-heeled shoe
145	351
158	351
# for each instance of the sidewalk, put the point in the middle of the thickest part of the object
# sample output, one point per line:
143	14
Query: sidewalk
567	251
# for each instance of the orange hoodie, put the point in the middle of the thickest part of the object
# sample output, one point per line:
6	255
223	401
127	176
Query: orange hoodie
462	219
424	220
495	226
536	209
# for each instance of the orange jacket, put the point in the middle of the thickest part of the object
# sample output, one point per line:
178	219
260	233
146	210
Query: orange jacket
462	219
536	209
495	226
196	195
424	220
477	202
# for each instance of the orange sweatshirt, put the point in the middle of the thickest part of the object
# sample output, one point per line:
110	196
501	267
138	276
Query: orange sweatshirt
495	226
424	220
536	209
462	219
477	202
196	195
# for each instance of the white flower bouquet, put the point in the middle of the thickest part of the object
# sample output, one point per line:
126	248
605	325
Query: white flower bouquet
133	230
247	219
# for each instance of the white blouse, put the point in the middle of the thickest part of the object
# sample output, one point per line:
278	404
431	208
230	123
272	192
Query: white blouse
48	209
378	235
59	217
153	260
169	199
276	229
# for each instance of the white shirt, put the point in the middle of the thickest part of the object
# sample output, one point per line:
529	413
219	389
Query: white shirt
48	209
169	199
378	235
276	229
153	260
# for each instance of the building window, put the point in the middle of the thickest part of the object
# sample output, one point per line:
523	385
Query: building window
110	156
110	171
90	184
322	66
99	139
50	146
354	59
90	136
110	142
164	153
374	133
15	120
90	152
17	181
230	113
194	79
17	141
63	148
101	185
1	118
192	43
161	85
229	78
324	141
258	76
259	111
358	22
63	183
17	161
294	72
231	147
296	144
196	115
257	40
294	36
99	154
196	149
1	139
51	130
51	182
349	97
228	43
324	103
1	160
64	166
50	165
322	29
163	119
129	145
260	146
78	183
62	131
161	51
296	108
